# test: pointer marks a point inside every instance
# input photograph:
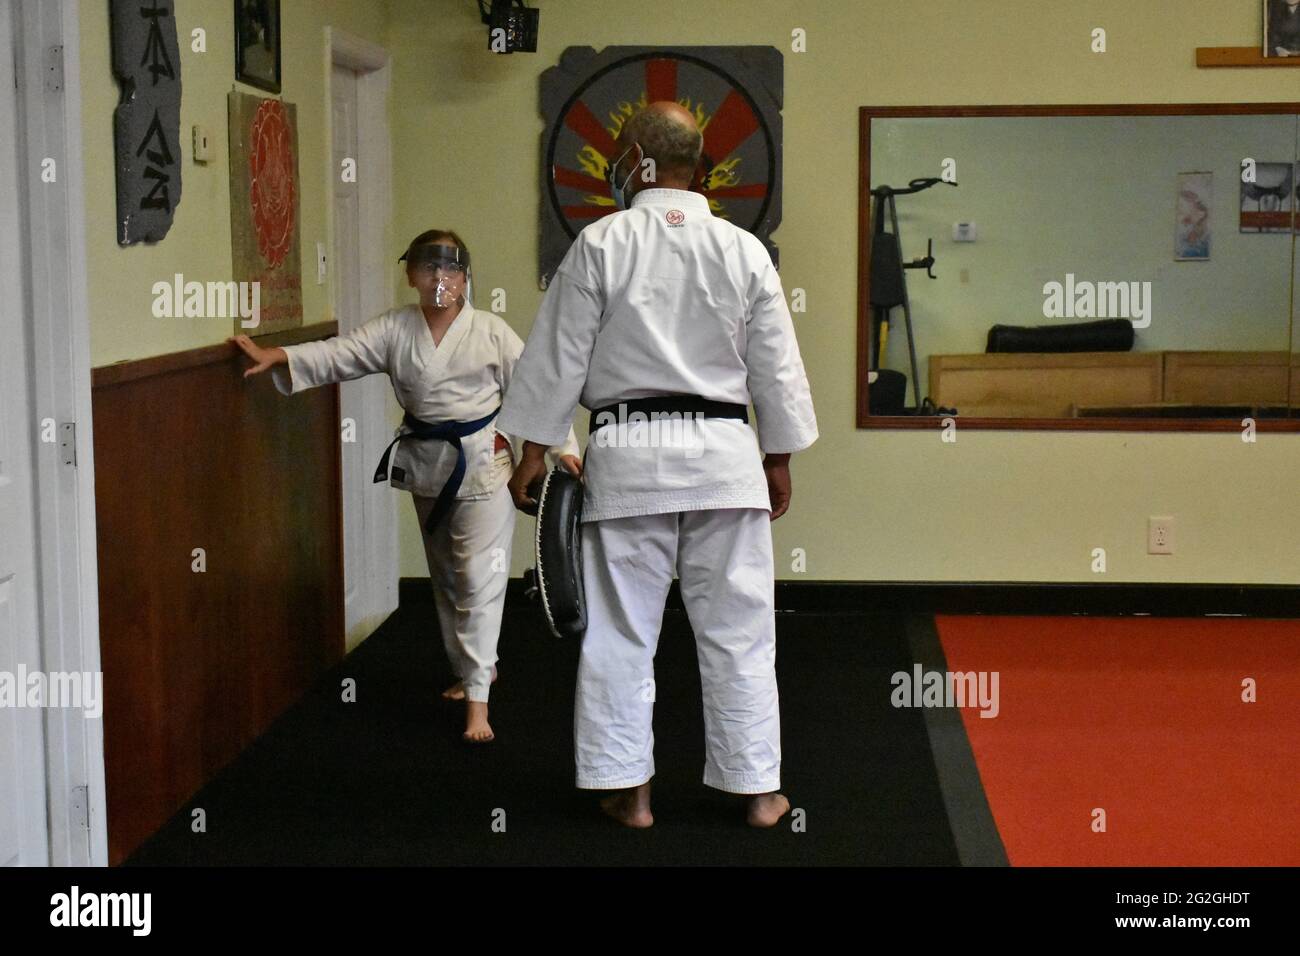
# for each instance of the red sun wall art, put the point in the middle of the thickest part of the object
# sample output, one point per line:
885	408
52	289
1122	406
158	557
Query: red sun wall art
264	217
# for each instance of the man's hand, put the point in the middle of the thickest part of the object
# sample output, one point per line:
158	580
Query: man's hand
526	483
262	358
777	470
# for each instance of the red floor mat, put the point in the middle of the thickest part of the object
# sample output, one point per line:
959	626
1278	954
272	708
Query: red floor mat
1144	718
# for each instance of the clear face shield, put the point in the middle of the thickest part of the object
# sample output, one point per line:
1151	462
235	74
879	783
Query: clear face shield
447	264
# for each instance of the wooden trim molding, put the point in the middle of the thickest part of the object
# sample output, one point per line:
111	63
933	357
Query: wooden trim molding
133	370
1221	56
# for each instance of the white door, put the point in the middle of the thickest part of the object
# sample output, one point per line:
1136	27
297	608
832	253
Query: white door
369	518
24	839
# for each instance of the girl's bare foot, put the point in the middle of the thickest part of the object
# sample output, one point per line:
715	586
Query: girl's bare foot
477	728
457	690
765	809
630	807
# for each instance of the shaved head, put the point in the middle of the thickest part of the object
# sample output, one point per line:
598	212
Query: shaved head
668	134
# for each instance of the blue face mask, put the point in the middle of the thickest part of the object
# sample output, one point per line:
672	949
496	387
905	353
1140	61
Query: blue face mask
615	190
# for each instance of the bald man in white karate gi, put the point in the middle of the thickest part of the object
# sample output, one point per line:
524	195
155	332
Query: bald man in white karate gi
665	300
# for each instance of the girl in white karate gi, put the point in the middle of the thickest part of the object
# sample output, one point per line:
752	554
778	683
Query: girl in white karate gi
450	365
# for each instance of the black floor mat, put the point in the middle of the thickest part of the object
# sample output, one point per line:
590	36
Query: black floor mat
386	780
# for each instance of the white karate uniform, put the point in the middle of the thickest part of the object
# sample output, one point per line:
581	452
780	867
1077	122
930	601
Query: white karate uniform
666	299
462	378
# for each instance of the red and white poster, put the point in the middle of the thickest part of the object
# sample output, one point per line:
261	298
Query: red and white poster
264	219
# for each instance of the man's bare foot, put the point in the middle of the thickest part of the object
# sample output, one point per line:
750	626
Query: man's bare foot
765	809
457	690
630	807
477	728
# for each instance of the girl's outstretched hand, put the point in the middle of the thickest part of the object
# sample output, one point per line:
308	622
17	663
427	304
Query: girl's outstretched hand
262	358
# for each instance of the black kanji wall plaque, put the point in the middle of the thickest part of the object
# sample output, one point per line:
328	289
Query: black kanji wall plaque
147	121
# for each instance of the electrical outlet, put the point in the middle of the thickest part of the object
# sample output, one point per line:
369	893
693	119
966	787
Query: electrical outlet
1160	535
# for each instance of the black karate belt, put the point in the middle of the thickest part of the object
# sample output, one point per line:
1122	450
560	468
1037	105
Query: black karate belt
559	553
451	432
665	405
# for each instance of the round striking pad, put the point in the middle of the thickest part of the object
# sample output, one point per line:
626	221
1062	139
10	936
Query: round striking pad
559	553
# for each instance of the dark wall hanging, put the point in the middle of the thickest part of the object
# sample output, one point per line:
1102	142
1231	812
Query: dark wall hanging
735	93
257	43
147	120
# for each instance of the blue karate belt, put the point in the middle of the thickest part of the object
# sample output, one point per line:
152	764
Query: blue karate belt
451	432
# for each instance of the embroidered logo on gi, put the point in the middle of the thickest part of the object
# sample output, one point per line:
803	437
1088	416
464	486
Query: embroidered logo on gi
675	217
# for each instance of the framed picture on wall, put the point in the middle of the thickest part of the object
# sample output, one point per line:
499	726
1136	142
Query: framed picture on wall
257	43
1192	231
1282	27
1267	201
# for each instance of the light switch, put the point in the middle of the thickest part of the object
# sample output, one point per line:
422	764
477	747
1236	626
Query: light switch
320	263
202	145
963	232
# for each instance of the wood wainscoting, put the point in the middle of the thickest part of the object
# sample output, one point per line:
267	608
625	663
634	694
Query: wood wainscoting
197	664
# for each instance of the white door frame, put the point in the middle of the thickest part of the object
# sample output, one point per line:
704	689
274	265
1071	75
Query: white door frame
65	493
378	566
24	827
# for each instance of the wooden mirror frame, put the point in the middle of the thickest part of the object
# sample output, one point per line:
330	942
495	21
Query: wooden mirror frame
865	420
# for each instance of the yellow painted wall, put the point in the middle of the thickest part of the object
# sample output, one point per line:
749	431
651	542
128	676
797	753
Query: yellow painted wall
873	505
997	506
122	325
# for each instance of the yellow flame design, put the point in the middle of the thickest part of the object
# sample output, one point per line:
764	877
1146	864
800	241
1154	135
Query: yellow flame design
622	113
592	162
701	117
723	174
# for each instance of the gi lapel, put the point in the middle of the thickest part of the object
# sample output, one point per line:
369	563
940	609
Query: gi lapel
450	339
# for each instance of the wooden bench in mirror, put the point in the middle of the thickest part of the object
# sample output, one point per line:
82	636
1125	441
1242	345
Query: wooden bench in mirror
1086	384
1043	385
1210	378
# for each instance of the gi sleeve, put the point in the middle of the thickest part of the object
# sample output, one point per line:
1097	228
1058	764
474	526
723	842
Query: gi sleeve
340	359
777	384
550	375
512	346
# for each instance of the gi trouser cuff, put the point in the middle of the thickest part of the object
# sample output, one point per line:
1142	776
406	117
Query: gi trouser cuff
478	684
744	783
623	779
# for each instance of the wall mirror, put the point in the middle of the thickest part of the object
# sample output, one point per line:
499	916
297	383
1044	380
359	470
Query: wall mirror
1104	267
